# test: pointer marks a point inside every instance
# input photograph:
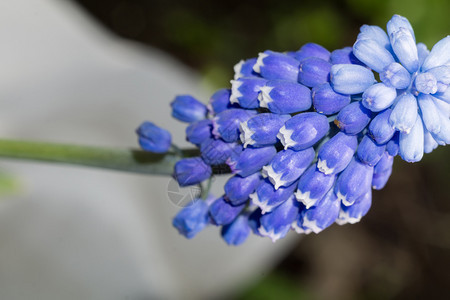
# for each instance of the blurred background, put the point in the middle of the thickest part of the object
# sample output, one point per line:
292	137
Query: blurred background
400	250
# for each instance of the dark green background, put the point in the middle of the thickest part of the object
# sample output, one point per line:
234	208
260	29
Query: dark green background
401	250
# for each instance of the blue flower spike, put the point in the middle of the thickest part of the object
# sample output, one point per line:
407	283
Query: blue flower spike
153	138
308	134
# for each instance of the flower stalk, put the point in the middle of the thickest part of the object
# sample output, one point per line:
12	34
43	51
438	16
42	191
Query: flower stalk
127	160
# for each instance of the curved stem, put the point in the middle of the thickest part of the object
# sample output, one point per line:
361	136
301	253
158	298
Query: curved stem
128	160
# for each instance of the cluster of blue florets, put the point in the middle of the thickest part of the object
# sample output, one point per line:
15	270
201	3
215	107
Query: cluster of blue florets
308	134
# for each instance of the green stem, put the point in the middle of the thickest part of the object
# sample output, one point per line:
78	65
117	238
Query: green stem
206	188
128	160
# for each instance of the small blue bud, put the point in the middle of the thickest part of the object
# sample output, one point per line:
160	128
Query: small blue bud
327	101
350	79
303	130
190	171
287	166
411	143
442	75
244	91
344	56
220	101
312	50
370	32
226	124
442	106
277	223
426	83
423	52
379	180
443	136
266	197
216	152
237	189
353	182
369	152
405	49
380	129
444	96
244	68
374	55
429	113
188	109
379	97
191	219
404	113
382	171
352	214
314	71
439	55
254	221
223	212
274	65
261	130
384	164
336	154
251	160
153	138
395	75
353	118
322	215
392	146
198	132
429	143
237	231
284	97
313	186
397	22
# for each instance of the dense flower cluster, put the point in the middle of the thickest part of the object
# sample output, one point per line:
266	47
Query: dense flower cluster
308	134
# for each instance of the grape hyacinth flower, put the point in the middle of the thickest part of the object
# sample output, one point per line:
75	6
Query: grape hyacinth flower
307	134
153	138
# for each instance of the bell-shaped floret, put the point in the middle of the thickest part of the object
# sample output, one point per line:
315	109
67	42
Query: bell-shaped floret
303	130
284	97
